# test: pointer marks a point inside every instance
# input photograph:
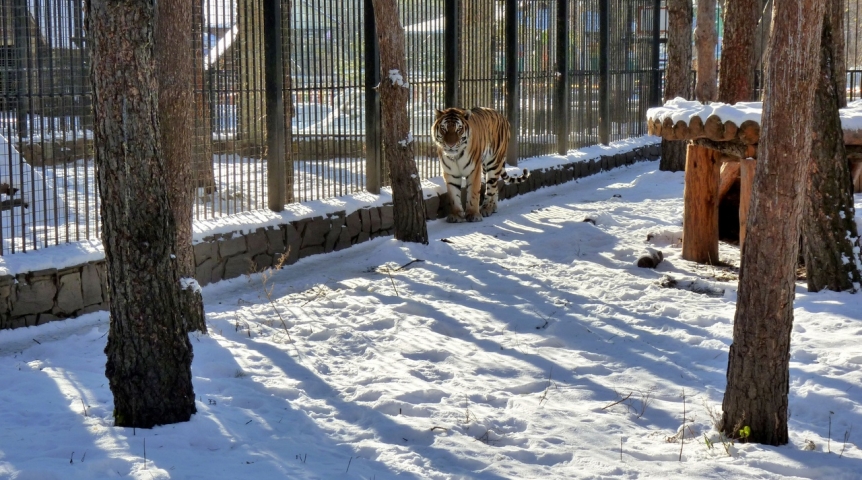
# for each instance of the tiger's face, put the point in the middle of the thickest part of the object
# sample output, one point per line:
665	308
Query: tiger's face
451	131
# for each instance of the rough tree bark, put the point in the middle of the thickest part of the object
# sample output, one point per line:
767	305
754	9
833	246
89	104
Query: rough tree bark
148	350
202	153
677	81
477	23
758	370
410	220
173	37
705	39
828	227
738	59
250	104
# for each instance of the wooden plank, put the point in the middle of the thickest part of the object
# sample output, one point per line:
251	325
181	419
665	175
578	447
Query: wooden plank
746	180
700	199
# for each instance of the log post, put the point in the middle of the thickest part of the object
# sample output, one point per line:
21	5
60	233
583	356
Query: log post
700	220
746	180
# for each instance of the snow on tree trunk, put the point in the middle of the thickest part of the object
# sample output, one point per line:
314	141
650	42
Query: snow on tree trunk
398	144
149	353
758	371
677	81
829	229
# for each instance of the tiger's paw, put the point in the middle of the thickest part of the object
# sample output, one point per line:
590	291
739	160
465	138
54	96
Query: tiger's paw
455	218
474	217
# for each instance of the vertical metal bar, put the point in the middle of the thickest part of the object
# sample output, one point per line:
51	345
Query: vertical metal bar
273	68
451	54
512	84
604	77
561	95
655	92
373	170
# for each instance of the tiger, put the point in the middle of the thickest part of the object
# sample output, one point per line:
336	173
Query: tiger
465	139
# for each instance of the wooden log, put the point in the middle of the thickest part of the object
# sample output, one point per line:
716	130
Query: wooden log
746	181
730	130
733	148
667	128
728	176
680	130
749	132
650	127
700	198
695	127
713	129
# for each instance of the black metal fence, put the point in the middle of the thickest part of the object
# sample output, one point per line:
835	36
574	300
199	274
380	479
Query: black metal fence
275	76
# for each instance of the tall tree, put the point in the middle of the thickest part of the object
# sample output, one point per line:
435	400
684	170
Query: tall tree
677	82
173	39
410	220
829	226
202	149
705	39
738	59
758	370
148	350
249	53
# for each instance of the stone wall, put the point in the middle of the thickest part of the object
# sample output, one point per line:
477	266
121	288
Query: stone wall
34	298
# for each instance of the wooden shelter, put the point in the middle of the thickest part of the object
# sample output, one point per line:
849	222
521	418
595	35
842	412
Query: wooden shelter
722	154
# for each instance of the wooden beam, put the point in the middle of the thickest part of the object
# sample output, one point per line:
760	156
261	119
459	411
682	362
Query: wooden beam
700	198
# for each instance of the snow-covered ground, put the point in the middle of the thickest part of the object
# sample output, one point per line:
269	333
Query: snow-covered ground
526	346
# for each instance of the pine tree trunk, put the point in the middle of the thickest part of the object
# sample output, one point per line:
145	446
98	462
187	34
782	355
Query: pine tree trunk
736	78
758	370
174	71
398	142
829	226
202	147
477	27
148	350
250	105
705	39
677	75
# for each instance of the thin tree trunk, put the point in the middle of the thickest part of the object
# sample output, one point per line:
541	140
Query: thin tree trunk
705	39
758	370
736	78
148	350
202	147
398	142
829	226
173	39
677	75
250	106
477	26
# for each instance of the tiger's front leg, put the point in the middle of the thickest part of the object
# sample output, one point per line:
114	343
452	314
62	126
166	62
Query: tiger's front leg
453	186
474	191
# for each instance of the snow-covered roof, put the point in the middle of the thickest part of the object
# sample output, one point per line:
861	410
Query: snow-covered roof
684	110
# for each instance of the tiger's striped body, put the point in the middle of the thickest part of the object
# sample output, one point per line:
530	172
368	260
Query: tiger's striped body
472	144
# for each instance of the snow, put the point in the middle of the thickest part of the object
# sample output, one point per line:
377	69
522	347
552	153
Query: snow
525	346
681	109
397	79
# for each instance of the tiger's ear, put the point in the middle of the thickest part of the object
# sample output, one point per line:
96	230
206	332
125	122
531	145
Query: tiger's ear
467	114
438	113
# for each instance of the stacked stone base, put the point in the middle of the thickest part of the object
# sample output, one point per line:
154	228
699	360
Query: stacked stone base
38	297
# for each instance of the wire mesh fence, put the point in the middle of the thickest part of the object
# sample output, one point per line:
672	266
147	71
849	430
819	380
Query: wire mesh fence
329	70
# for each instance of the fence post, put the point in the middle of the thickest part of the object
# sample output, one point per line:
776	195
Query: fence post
373	147
273	85
512	83
561	94
451	54
604	77
655	91
22	68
